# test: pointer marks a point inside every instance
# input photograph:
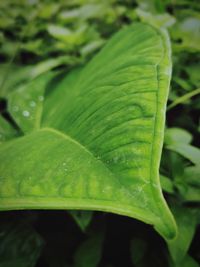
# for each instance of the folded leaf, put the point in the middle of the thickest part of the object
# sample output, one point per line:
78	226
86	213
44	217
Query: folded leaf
98	140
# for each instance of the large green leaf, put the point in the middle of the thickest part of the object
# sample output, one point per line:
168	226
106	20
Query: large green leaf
99	135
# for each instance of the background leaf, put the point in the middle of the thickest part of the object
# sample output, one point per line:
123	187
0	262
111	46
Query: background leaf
186	220
20	245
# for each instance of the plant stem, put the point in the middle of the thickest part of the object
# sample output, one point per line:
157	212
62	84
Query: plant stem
183	98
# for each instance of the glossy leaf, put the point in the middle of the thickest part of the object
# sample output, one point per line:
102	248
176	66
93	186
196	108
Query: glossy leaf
98	140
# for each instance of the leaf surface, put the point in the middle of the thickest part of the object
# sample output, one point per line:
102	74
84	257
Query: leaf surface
99	140
6	130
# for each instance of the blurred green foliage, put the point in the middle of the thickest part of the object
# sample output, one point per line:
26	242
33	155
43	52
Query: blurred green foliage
37	36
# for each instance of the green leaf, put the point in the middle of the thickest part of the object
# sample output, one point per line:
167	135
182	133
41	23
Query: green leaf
167	184
191	175
189	152
82	218
160	20
89	252
11	77
87	11
100	137
138	249
68	36
189	193
188	31
186	221
193	72
6	130
26	104
20	245
188	262
52	63
178	140
177	135
190	187
184	98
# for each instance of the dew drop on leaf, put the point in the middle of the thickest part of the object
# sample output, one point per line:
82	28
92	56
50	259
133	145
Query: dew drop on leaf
32	104
26	113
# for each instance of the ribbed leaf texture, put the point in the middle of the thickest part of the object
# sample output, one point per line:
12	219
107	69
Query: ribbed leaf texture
93	139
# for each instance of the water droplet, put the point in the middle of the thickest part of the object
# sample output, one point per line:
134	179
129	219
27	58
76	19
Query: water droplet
26	113
41	98
15	108
32	104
